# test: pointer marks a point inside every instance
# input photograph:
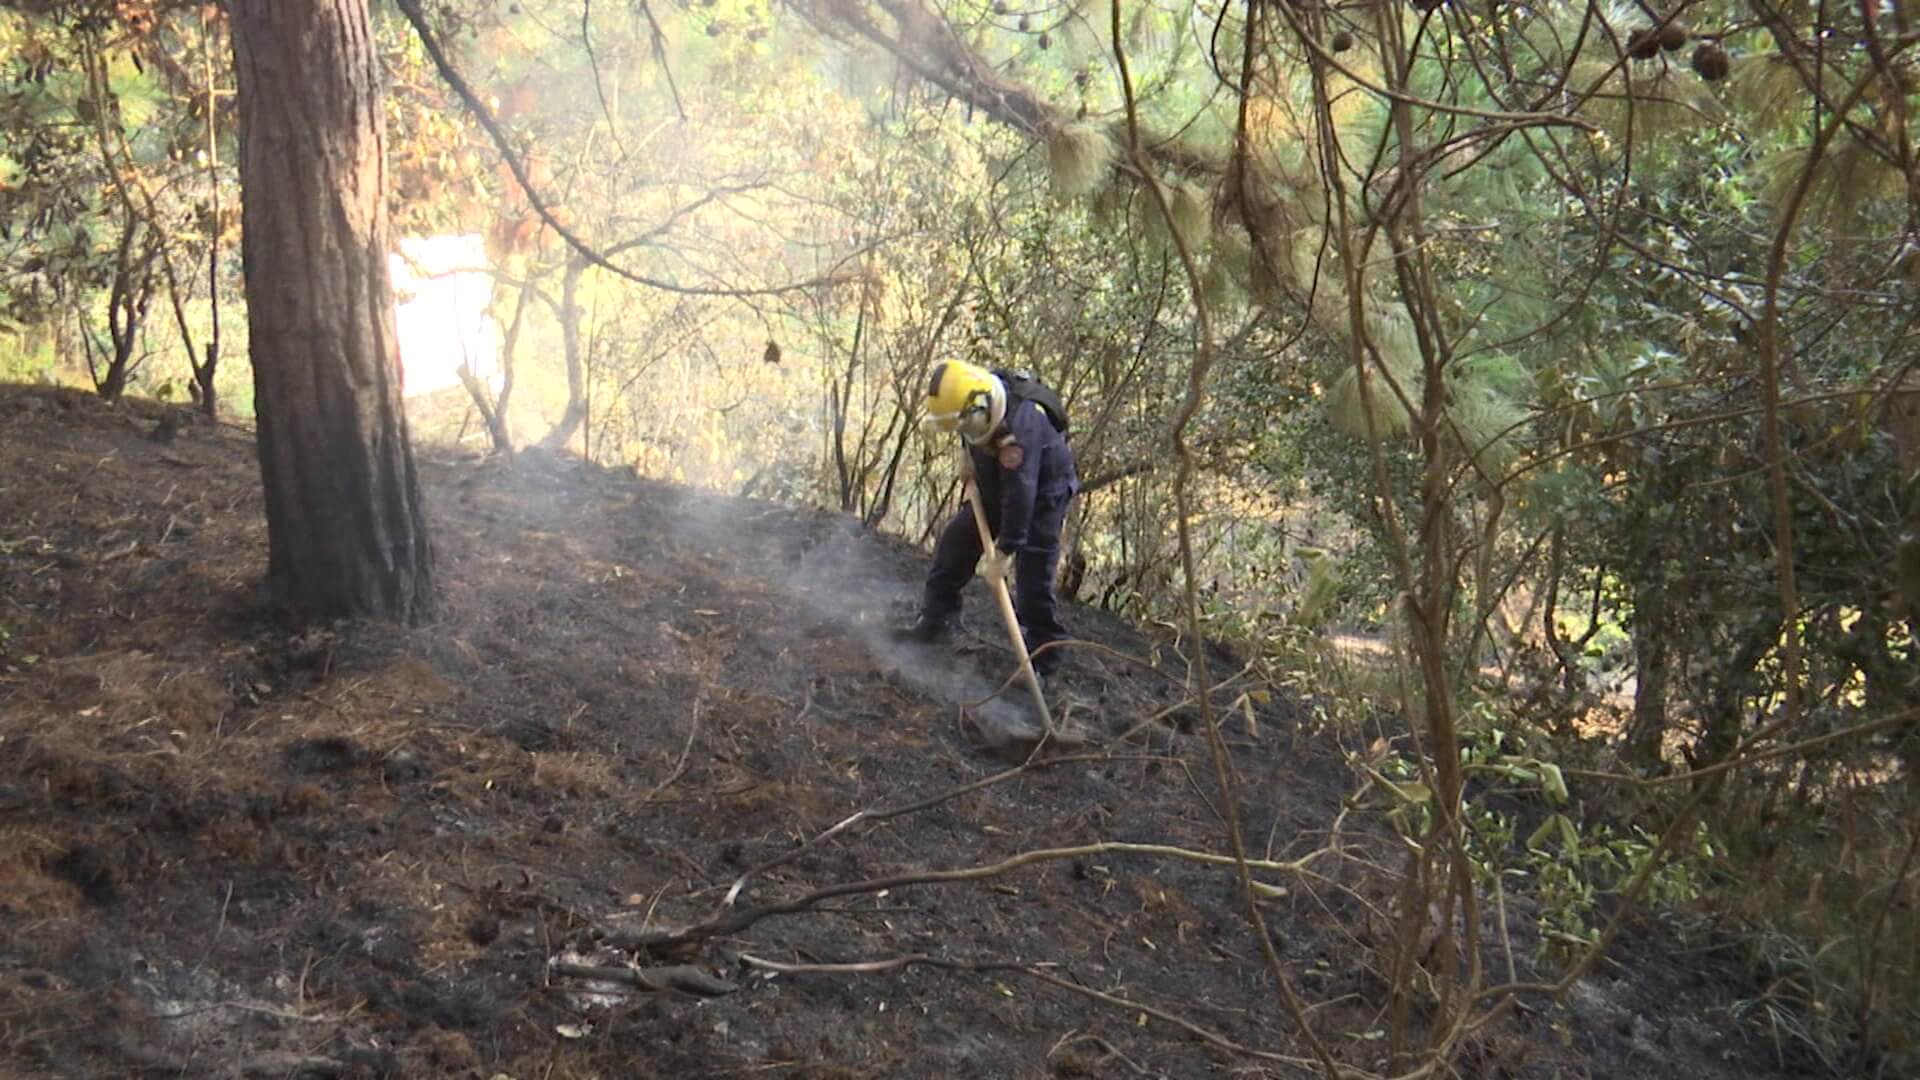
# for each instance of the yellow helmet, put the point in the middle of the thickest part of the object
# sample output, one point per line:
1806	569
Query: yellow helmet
964	398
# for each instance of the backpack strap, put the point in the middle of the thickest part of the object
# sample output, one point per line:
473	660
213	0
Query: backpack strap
1022	386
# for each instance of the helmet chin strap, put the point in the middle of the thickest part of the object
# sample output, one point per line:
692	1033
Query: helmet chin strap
976	422
995	410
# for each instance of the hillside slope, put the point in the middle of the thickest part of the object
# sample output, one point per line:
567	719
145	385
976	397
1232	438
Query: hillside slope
228	850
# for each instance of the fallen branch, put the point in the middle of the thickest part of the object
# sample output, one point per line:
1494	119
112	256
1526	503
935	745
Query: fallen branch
1150	721
115	556
736	921
685	978
259	1010
866	816
1190	701
874	967
285	1066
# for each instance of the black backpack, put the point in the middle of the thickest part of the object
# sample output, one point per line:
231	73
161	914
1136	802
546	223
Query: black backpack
1022	386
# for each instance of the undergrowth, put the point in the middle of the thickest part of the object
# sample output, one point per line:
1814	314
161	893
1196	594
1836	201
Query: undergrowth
1816	897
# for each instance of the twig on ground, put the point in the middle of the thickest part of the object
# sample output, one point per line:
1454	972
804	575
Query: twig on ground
680	767
1185	702
241	1006
122	553
1075	1038
867	816
1191	1028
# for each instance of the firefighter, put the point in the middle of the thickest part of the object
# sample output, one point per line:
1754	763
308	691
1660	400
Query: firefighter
1019	459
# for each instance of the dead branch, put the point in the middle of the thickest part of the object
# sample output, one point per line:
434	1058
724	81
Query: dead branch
680	767
729	923
874	967
1190	700
278	1065
1770	368
1072	1039
1197	371
685	978
282	1066
868	816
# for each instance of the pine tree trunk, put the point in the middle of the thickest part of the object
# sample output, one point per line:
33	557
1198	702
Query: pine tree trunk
346	536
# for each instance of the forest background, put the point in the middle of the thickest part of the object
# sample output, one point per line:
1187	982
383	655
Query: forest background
1531	385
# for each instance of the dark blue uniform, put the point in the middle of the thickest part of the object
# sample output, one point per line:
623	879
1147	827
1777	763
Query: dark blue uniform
1026	509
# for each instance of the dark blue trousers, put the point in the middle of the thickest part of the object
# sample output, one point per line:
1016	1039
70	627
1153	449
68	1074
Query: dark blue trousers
957	555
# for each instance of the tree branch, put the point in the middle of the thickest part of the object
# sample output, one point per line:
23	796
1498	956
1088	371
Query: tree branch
740	920
411	9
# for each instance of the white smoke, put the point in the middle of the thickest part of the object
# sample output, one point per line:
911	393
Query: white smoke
443	290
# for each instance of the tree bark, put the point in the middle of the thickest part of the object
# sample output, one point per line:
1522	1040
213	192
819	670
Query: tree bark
346	536
570	315
1652	624
127	303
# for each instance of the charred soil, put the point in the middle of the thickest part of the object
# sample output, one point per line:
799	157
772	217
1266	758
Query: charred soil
232	849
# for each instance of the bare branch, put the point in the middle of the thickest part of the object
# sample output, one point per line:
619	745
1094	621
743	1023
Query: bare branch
740	920
411	9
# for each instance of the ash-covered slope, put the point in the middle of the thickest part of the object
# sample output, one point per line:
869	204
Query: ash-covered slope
228	849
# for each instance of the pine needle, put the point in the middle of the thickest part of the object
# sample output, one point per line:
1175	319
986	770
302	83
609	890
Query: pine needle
1662	101
1768	91
1391	335
1079	158
1849	184
1488	425
1191	211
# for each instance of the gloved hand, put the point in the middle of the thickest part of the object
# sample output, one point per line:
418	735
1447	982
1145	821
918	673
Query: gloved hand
997	566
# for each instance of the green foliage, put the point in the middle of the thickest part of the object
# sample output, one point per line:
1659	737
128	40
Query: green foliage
1581	226
1572	861
1572	869
25	360
103	134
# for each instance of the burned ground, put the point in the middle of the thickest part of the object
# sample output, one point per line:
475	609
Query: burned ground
230	849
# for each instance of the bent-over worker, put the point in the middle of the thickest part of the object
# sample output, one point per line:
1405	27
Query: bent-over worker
1026	478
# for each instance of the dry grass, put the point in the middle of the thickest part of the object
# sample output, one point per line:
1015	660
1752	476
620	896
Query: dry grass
574	775
26	886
